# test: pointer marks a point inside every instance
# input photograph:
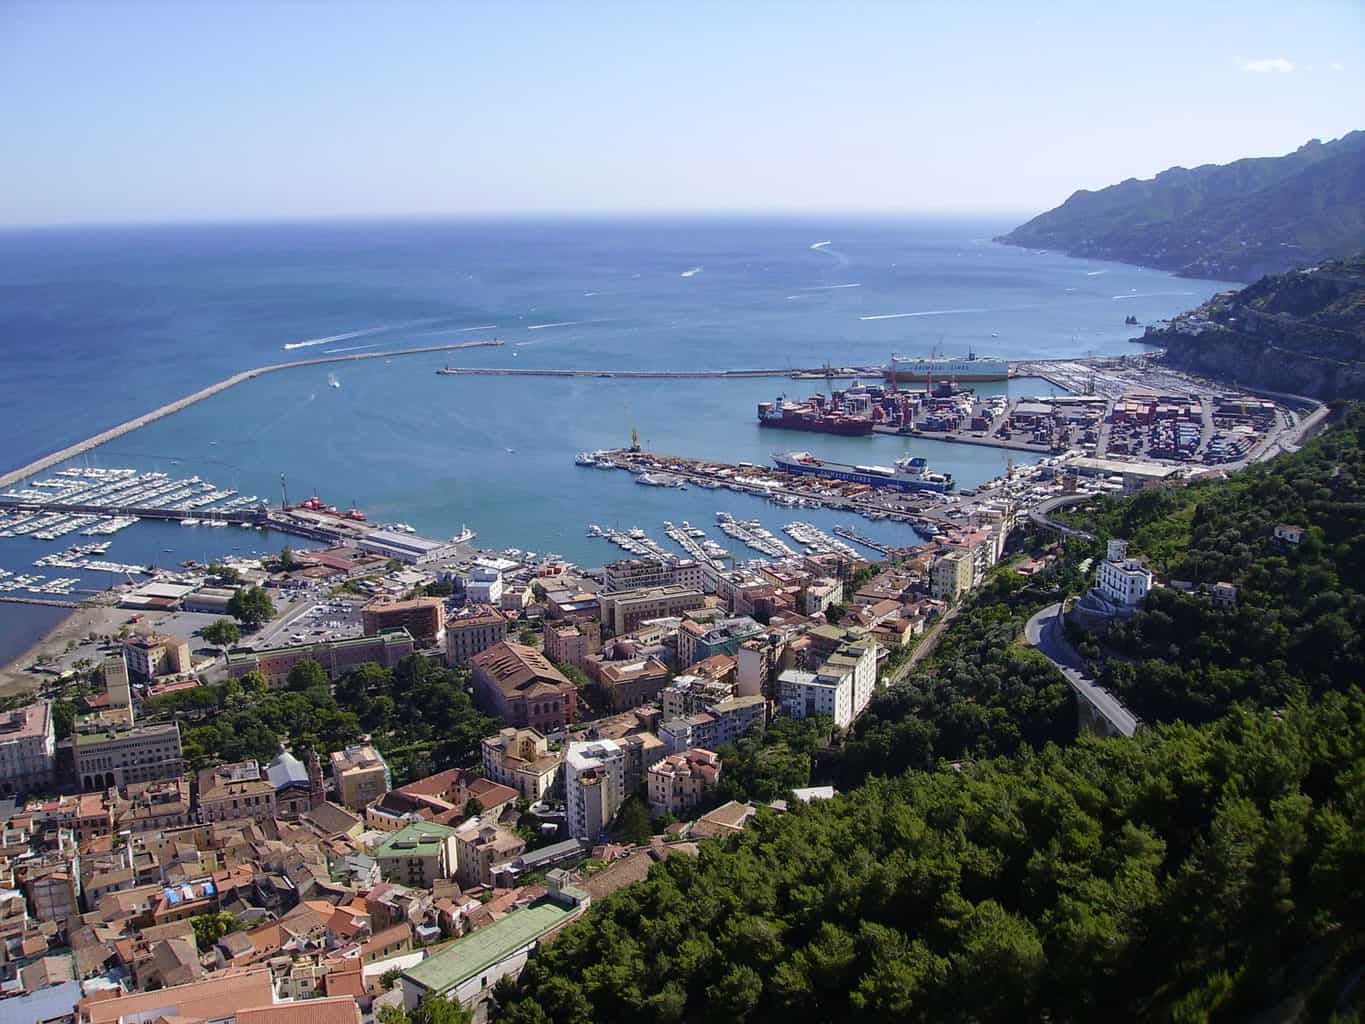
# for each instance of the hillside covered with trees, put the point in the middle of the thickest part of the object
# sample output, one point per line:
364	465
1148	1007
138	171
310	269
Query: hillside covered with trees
1211	868
1300	613
1231	222
1301	332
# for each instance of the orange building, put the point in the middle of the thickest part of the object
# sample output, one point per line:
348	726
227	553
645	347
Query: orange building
423	617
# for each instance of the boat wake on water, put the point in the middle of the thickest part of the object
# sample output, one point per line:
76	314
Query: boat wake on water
457	330
290	346
922	312
348	348
823	247
1148	295
560	323
692	273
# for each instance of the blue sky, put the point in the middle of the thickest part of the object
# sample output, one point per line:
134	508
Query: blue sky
162	111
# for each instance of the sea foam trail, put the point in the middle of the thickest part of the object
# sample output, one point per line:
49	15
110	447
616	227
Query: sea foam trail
1149	295
922	312
819	245
830	287
1095	273
567	323
692	273
457	330
348	348
290	346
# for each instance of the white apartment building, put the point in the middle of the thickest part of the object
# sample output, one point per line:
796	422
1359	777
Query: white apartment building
640	573
810	694
842	688
1123	581
484	587
594	786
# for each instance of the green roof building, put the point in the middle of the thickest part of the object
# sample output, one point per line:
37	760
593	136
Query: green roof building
418	855
468	968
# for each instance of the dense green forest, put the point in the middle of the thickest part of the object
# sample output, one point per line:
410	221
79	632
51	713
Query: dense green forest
1208	869
1300	613
418	713
982	694
1190	868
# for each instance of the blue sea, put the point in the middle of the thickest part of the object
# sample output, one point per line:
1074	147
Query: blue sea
100	324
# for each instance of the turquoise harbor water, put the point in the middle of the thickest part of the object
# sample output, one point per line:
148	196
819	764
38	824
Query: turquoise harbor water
99	325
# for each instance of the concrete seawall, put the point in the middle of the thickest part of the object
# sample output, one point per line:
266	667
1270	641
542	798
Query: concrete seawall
80	447
476	371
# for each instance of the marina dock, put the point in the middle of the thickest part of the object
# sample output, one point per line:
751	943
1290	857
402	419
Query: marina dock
844	373
80	447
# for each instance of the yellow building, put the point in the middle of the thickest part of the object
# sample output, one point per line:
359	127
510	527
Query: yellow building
361	776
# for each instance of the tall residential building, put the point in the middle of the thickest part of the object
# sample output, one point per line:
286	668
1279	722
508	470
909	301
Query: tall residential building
679	782
518	685
841	688
703	636
1123	581
28	750
522	759
642	749
423	617
114	671
155	654
952	575
361	776
474	628
638	573
106	757
625	610
594	786
724	722
480	847
570	643
232	791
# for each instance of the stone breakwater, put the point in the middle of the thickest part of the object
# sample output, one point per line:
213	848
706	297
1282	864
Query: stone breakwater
80	447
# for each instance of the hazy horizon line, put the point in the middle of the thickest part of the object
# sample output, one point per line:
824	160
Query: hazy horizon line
502	216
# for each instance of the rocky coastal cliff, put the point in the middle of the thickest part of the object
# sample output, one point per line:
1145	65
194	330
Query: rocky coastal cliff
1302	332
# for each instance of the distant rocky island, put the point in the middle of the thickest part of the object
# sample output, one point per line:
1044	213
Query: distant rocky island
1232	222
1301	332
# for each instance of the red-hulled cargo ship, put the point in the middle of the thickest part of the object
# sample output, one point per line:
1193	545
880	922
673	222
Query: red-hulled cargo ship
811	416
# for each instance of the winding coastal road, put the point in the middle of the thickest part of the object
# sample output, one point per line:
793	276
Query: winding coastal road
1040	517
1044	632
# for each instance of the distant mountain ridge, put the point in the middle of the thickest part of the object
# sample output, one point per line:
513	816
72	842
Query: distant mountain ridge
1301	332
1234	221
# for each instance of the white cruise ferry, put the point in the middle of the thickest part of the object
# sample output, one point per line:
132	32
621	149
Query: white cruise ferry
968	368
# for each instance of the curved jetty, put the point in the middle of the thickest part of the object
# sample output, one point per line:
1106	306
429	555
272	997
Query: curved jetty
38	465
